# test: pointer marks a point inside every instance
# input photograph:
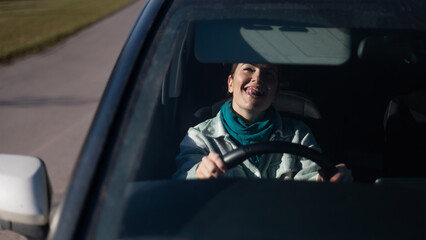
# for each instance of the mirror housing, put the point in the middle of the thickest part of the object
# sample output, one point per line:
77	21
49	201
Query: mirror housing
25	195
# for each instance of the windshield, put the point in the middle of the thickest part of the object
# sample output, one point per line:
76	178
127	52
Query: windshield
342	68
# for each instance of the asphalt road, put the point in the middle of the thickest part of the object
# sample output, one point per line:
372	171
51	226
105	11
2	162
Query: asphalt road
48	100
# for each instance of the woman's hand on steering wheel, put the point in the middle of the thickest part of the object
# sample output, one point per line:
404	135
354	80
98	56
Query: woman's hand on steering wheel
211	166
343	174
215	165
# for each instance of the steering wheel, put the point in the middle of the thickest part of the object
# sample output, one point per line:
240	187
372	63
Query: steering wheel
237	156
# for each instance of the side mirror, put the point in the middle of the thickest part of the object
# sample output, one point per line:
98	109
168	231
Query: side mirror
25	195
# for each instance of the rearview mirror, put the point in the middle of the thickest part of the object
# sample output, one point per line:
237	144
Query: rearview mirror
25	195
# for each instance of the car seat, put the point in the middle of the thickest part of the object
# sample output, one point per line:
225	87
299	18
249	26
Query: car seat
405	131
288	103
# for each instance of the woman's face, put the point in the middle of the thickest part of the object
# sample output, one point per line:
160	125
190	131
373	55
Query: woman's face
254	88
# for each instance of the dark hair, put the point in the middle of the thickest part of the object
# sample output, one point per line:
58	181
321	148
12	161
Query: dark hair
234	67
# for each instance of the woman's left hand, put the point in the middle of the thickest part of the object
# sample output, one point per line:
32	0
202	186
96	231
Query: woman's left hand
343	174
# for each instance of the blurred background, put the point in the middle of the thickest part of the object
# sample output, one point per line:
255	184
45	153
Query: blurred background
55	60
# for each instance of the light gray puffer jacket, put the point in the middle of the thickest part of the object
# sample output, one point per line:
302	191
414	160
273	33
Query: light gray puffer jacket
211	136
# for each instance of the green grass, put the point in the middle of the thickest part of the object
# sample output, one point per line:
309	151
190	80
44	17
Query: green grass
28	26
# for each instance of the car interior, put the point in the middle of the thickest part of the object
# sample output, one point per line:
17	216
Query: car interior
366	107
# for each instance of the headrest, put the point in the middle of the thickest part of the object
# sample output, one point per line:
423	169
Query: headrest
411	107
388	50
296	103
288	103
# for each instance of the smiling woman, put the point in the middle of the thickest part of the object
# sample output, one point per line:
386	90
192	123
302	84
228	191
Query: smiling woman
30	26
247	118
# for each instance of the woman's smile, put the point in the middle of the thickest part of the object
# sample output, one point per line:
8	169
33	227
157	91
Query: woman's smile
254	92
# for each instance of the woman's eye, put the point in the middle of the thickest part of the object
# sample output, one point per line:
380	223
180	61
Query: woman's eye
248	69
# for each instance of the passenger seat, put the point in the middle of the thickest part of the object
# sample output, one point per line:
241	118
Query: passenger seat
405	136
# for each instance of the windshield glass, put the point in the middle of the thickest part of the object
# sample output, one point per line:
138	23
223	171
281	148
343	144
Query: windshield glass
340	66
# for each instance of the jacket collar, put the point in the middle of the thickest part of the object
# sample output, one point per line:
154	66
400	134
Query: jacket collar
215	129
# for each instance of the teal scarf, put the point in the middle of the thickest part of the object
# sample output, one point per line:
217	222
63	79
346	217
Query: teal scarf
244	134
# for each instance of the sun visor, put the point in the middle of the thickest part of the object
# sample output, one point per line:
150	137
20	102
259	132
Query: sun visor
242	41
